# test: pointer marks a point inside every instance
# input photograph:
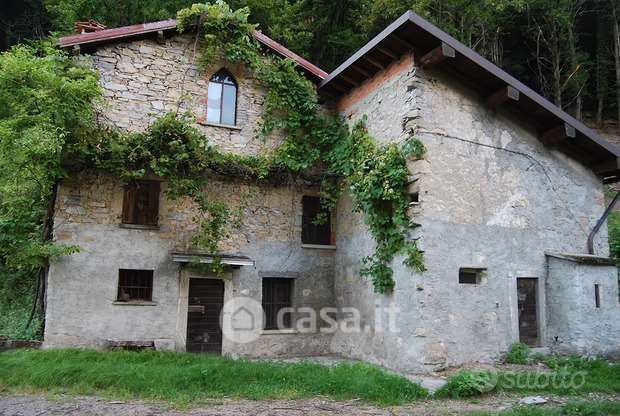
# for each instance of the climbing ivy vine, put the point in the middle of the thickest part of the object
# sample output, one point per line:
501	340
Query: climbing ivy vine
377	176
348	160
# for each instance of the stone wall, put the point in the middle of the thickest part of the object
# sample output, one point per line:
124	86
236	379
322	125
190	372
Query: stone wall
479	207
142	80
81	307
575	324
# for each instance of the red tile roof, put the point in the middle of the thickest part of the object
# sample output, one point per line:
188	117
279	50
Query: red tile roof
110	35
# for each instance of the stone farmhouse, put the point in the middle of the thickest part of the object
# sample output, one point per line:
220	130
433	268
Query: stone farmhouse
507	196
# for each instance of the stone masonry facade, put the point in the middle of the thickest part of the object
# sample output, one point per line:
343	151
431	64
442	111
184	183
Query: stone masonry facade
491	198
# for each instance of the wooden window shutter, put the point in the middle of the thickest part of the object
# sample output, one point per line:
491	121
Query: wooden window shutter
312	233
129	203
152	214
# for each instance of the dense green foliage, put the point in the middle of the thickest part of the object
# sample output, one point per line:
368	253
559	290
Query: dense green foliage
519	354
185	378
467	384
45	112
566	49
48	130
613	223
376	176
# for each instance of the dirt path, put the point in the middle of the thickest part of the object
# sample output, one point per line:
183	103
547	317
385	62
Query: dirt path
39	405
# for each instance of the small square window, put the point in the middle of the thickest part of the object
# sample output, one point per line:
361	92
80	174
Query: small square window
470	276
141	203
277	294
135	285
316	224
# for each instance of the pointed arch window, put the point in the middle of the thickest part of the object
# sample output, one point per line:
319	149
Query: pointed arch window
222	99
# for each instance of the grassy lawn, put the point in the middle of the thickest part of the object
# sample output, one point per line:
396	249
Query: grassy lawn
183	378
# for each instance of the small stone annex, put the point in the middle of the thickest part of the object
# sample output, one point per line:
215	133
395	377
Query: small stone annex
506	197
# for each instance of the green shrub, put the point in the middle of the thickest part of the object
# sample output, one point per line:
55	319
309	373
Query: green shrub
467	384
519	354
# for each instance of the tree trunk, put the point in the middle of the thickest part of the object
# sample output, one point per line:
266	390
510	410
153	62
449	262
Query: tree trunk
614	11
572	48
600	106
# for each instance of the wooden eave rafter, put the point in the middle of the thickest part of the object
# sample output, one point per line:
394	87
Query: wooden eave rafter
436	48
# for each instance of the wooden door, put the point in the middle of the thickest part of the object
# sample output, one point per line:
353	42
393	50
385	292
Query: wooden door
206	300
527	294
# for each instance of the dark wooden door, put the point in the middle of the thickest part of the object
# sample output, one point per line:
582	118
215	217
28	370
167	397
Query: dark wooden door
528	310
206	299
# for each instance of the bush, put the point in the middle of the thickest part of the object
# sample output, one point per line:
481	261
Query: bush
519	354
467	384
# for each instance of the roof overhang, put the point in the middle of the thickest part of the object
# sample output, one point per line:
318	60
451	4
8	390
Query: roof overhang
197	258
436	48
94	39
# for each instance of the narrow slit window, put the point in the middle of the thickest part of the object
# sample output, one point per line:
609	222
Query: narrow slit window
222	99
316	224
135	285
141	203
277	294
597	295
470	276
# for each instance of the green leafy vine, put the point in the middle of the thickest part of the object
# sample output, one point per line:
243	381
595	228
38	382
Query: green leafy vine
377	176
51	106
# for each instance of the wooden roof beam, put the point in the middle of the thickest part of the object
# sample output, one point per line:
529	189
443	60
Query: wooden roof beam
401	40
361	71
438	55
349	80
374	62
387	52
558	134
504	94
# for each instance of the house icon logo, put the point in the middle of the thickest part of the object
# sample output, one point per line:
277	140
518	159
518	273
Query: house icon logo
242	319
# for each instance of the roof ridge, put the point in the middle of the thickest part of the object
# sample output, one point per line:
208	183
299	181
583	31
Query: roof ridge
125	32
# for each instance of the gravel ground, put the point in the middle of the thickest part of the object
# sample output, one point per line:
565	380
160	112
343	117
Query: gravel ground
39	405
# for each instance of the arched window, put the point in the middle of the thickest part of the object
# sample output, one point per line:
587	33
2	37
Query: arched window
222	99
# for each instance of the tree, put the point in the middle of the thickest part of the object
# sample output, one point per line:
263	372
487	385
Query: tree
45	110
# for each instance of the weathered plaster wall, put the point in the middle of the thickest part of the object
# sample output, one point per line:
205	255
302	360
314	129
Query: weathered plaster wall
142	80
574	323
83	287
479	207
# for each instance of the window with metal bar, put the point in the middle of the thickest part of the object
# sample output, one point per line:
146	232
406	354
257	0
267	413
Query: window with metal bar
135	285
277	294
222	99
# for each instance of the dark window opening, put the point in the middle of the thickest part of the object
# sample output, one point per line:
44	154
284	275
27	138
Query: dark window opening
141	203
316	222
597	295
135	285
414	197
277	294
222	99
470	276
